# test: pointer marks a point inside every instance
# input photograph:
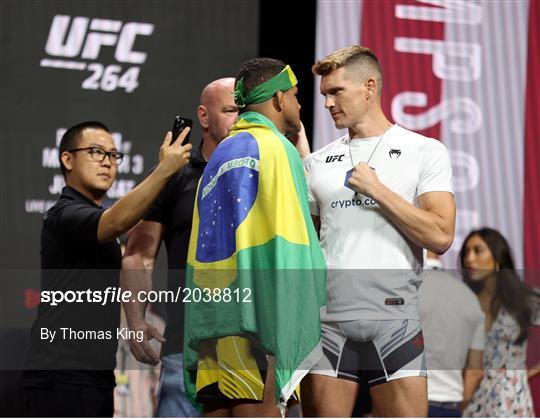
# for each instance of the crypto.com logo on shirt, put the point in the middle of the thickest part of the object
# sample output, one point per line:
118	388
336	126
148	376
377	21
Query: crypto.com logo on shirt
83	40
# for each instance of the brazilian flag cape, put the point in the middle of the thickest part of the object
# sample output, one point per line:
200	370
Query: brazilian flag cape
252	234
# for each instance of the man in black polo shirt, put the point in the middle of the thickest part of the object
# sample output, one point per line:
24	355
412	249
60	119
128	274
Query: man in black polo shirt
70	364
170	219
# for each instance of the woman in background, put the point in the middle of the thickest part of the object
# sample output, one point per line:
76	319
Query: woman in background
510	308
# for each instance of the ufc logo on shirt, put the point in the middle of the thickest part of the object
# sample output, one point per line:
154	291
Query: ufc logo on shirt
84	38
332	159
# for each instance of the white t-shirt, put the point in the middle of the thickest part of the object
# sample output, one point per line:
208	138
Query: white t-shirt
356	235
452	323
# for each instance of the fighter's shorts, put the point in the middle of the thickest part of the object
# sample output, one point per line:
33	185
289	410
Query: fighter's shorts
232	367
372	351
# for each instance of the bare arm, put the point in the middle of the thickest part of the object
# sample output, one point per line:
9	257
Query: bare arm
137	266
472	375
128	210
430	226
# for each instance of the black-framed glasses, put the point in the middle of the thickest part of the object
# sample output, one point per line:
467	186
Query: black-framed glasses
98	154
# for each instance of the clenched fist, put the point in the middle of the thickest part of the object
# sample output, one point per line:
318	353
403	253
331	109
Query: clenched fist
364	180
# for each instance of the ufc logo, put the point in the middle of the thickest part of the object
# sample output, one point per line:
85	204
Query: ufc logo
103	32
332	159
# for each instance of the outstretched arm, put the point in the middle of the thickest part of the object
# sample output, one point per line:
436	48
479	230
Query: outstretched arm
137	266
128	210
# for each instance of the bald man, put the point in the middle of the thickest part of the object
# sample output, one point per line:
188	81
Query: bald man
170	220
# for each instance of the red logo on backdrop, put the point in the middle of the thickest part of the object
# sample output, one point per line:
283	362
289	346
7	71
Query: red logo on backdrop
31	298
402	45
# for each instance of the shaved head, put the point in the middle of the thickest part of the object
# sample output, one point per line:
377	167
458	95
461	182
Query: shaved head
215	88
217	111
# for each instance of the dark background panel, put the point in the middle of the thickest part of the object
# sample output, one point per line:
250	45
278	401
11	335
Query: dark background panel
287	32
193	43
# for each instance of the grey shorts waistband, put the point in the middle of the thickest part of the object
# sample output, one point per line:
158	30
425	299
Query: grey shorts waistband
445	405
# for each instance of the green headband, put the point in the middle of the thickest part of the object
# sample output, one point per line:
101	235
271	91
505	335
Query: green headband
280	82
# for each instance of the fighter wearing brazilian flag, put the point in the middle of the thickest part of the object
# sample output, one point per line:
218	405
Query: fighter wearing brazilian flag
255	271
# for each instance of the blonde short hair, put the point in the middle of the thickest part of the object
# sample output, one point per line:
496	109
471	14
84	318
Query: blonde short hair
357	59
